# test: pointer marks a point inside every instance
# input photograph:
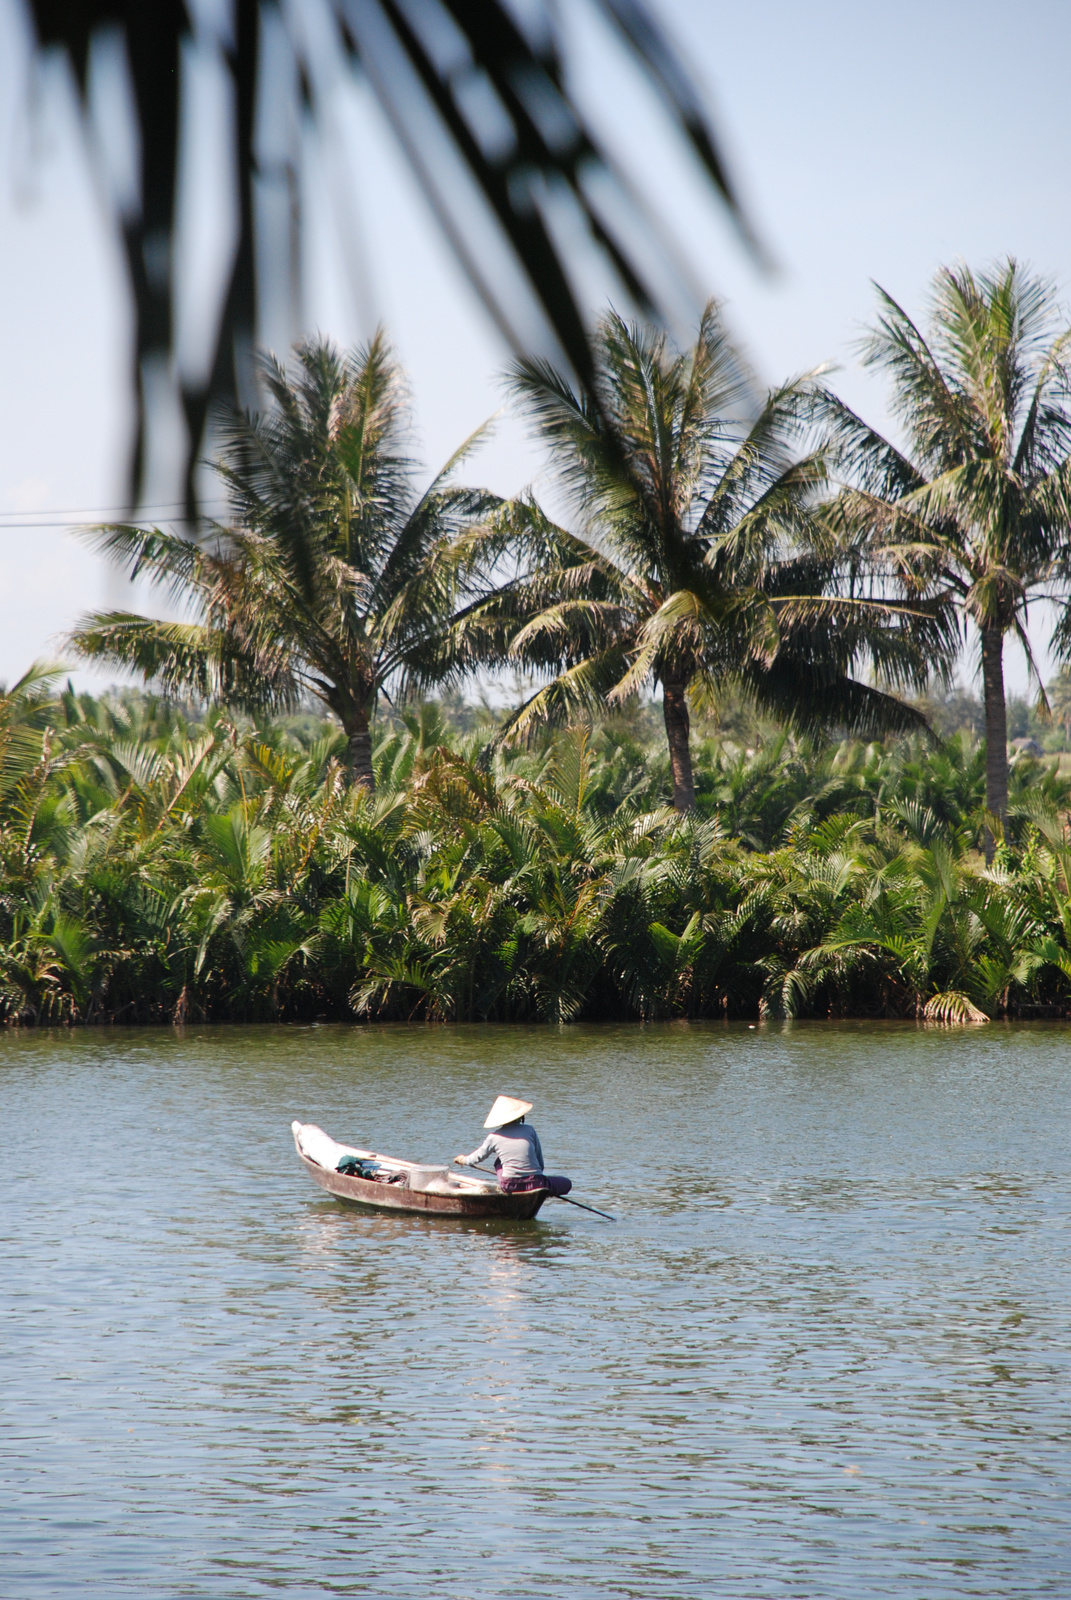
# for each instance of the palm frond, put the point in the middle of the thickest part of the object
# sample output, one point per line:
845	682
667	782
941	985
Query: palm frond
580	691
952	1006
184	658
488	126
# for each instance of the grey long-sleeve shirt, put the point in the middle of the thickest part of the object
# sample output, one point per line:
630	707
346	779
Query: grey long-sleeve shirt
516	1146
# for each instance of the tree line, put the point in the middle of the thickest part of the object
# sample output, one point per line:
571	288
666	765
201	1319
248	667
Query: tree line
714	540
718	535
159	865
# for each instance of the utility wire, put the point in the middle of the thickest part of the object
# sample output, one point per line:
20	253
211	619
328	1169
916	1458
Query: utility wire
19	521
128	522
93	511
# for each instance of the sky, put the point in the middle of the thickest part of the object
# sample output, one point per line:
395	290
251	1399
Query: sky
870	142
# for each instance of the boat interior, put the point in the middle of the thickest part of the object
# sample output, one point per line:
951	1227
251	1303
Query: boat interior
318	1146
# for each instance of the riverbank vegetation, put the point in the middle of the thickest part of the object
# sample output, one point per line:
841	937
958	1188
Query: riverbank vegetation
164	866
777	584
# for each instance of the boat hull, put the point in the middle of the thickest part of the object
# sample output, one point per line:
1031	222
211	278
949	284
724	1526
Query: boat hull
399	1197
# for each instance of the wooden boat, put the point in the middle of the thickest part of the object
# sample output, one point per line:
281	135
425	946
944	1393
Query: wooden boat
407	1185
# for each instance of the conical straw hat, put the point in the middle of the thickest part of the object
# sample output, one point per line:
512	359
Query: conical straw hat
506	1109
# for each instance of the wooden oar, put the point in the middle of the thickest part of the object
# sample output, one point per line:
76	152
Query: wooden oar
565	1200
562	1197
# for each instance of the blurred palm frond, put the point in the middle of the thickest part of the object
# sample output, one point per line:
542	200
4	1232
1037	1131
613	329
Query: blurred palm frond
482	105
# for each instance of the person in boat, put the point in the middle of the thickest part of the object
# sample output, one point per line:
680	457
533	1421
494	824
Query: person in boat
516	1149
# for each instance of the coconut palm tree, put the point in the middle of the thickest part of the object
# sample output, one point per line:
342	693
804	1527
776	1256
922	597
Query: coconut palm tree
697	561
976	508
335	578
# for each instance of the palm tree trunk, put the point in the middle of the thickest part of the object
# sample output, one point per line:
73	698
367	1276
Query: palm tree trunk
678	727
996	728
359	735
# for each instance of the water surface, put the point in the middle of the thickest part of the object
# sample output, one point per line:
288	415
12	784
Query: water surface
825	1351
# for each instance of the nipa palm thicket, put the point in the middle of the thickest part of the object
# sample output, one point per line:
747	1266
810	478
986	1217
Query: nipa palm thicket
156	867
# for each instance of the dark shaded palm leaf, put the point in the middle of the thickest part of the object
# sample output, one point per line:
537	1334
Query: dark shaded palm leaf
480	106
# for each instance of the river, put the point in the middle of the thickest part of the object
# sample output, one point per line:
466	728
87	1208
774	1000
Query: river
824	1351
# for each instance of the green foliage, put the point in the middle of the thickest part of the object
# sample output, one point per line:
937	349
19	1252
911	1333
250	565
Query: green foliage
159	863
698	560
336	576
975	513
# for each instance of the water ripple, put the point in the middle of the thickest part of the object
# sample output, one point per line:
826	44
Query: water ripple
825	1351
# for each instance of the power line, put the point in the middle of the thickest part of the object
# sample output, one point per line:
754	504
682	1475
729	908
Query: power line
95	511
20	521
16	527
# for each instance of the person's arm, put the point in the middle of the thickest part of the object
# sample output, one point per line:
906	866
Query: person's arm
538	1149
477	1155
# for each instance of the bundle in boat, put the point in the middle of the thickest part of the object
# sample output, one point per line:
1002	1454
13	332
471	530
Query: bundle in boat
358	1167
